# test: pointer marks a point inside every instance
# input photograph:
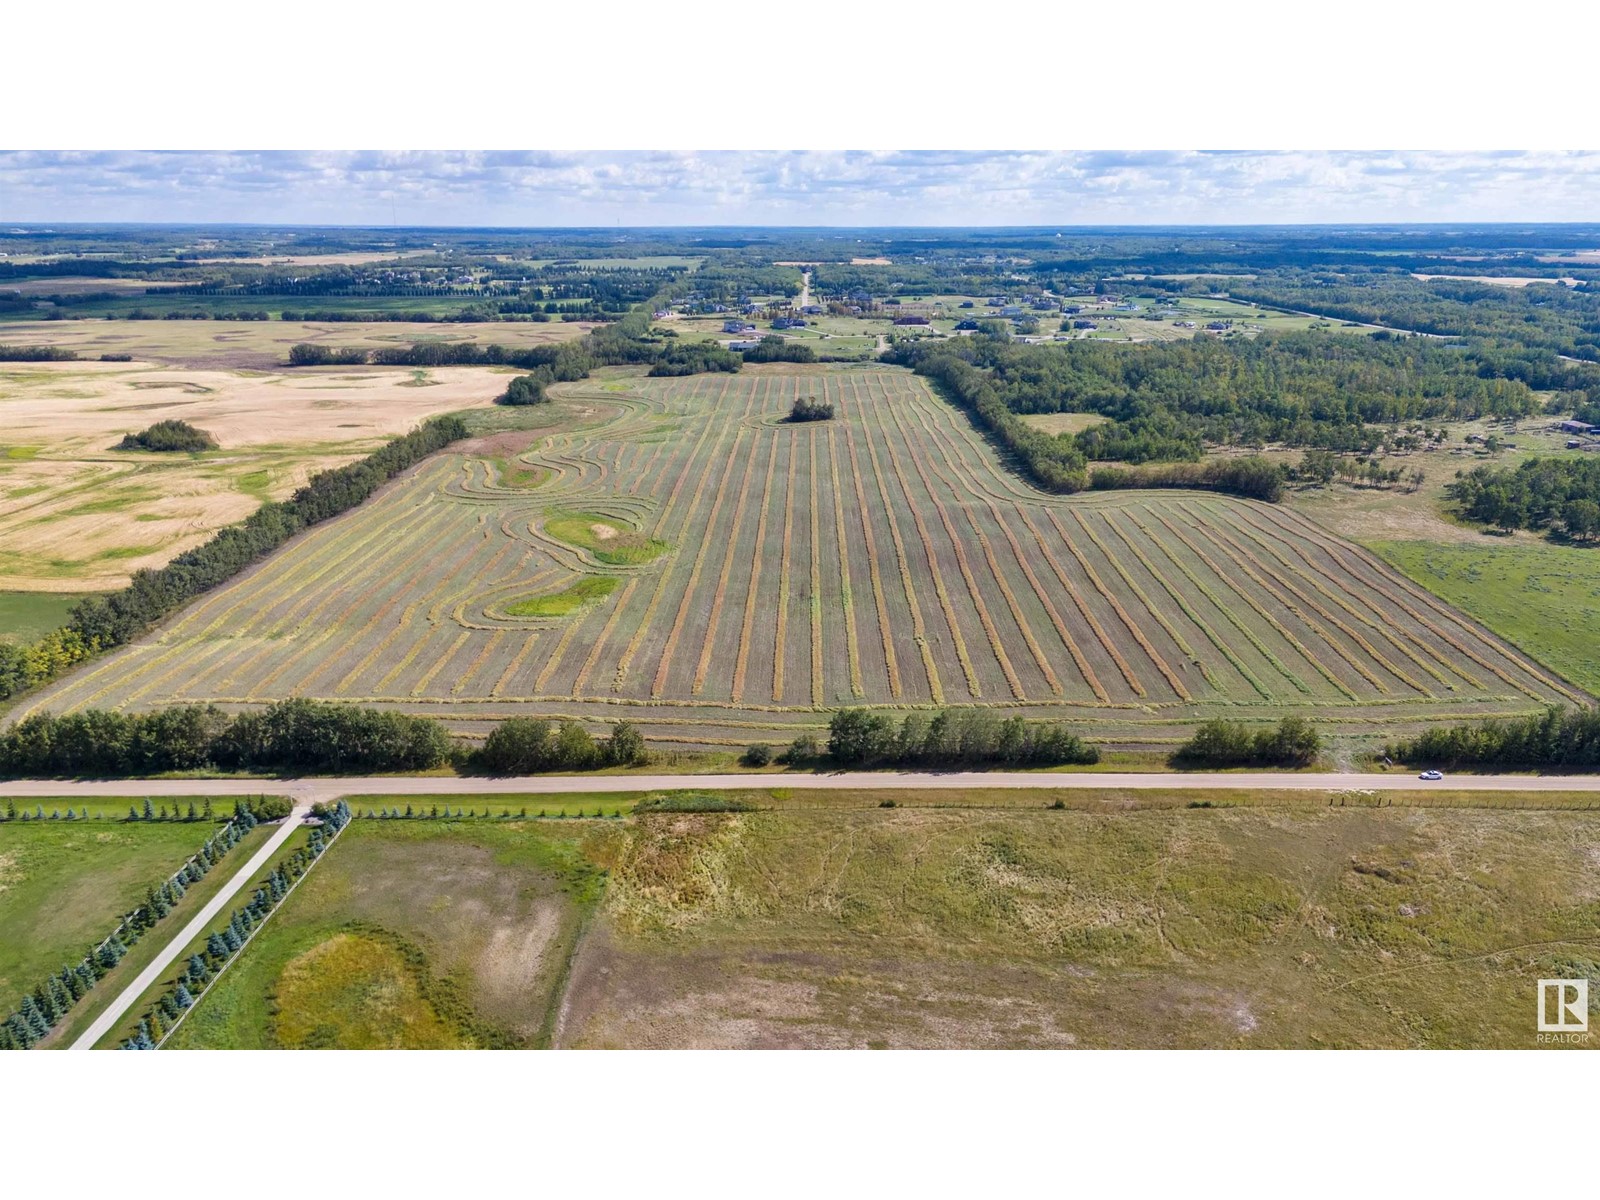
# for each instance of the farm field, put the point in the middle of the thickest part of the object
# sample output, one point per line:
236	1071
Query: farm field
411	935
265	345
1188	928
77	515
63	885
884	558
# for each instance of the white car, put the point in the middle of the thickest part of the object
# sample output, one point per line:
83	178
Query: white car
1430	775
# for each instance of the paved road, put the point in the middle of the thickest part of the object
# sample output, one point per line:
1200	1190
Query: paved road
108	1020
309	790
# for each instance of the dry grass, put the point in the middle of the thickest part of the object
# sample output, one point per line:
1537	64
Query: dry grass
77	515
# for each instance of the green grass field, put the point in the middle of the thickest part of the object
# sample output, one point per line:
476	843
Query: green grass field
413	935
64	886
25	616
1181	919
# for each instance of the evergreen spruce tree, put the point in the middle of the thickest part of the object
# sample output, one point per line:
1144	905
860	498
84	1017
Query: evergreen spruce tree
206	811
35	1020
6	1040
38	812
132	813
46	1004
21	1036
60	996
181	997
216	948
86	976
11	810
197	970
74	985
232	940
149	810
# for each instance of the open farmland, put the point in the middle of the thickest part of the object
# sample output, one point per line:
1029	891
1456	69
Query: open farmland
761	573
78	515
265	345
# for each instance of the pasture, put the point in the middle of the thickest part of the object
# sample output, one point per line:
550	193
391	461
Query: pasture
77	515
885	558
1159	929
409	935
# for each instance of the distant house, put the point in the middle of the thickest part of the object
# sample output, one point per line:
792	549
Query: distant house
745	344
1575	427
912	319
738	327
1011	310
1084	325
967	304
1068	310
969	323
788	323
811	310
1220	326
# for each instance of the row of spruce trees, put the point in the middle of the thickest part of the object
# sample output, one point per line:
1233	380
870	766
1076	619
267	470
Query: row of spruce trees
203	968
43	1008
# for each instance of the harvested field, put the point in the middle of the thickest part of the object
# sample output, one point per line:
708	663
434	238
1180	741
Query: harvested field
264	345
886	557
76	515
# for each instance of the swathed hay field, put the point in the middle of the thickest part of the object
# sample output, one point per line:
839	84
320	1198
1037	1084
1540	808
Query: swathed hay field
680	556
77	515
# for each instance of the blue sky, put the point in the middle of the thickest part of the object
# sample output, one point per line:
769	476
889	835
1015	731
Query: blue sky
532	188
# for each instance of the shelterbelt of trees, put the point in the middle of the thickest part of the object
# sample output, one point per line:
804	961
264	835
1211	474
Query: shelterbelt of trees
1555	738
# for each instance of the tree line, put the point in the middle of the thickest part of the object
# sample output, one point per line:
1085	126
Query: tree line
965	737
101	622
1556	738
43	1009
295	736
203	967
1293	742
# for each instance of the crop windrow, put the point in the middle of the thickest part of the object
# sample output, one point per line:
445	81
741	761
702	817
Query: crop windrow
847	599
879	596
747	628
703	666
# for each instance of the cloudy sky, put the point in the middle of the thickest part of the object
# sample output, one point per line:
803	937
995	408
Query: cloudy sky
797	187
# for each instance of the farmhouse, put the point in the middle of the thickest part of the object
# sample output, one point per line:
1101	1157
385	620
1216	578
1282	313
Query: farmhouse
738	327
1575	427
913	319
744	344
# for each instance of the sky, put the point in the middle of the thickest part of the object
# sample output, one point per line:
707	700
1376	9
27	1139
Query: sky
851	188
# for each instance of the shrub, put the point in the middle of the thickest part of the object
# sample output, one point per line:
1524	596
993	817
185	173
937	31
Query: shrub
757	755
1292	742
811	408
525	389
169	436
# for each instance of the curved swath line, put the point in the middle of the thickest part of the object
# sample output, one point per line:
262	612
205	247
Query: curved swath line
582	679
720	595
1017	615
1133	586
1262	570
902	560
747	628
960	473
958	429
880	602
1334	552
1282	630
190	661
1377	621
993	634
1200	586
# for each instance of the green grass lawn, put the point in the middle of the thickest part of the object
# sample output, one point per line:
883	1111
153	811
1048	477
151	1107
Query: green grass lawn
619	545
63	886
414	935
1541	597
566	602
26	616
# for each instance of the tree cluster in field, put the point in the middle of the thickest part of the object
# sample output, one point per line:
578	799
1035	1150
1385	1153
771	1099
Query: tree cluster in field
1553	494
43	1008
524	389
1322	467
101	622
951	737
291	735
169	436
37	354
1292	742
811	408
525	745
203	968
694	358
1556	738
773	348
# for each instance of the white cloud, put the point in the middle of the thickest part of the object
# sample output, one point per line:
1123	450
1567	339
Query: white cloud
532	188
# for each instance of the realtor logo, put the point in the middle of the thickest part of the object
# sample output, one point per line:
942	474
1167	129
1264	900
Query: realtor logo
1563	1006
